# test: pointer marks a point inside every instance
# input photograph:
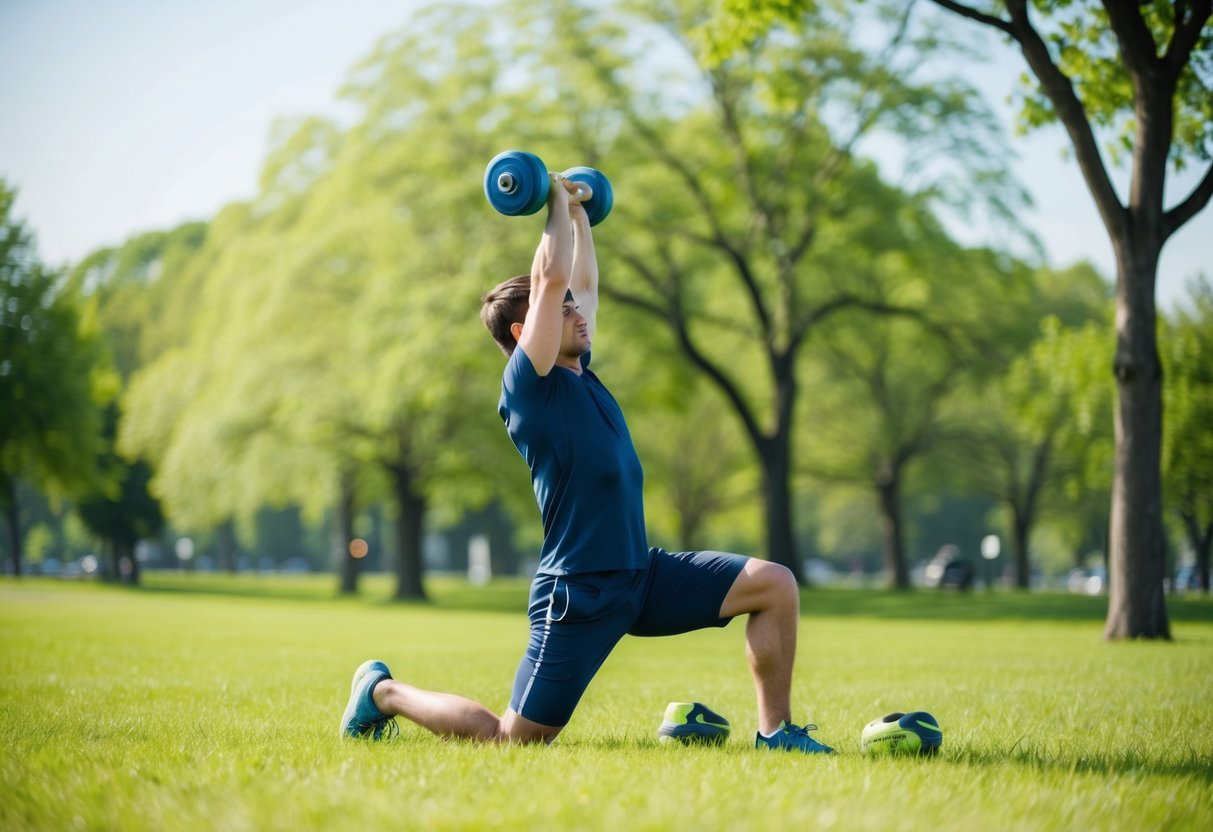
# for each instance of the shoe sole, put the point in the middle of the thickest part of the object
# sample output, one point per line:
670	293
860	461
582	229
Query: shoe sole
692	732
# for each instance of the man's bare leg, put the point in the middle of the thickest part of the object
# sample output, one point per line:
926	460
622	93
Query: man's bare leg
769	594
449	715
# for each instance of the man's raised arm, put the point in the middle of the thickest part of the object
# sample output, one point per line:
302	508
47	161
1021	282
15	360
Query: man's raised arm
551	271
584	283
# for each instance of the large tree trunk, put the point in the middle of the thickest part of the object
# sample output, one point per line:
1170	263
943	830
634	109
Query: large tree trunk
775	455
888	488
1024	516
409	564
225	546
1137	551
1201	541
341	535
127	563
1021	533
12	516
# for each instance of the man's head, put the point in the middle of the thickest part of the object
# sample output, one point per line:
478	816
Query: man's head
504	309
505	306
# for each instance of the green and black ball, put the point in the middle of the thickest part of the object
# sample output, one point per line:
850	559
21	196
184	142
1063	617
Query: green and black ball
915	733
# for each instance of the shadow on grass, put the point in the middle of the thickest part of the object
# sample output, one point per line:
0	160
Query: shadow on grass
1188	763
509	595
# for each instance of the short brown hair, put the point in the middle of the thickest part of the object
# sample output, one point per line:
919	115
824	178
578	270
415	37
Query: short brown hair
505	306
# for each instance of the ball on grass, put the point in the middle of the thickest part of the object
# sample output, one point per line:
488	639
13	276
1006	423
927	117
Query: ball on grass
915	733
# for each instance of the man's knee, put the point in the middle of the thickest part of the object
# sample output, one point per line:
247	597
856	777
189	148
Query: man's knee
762	585
513	727
781	584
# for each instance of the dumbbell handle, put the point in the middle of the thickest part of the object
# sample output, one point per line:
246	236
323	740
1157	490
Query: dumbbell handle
583	193
506	183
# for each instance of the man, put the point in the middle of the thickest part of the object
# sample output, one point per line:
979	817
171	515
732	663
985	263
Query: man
597	579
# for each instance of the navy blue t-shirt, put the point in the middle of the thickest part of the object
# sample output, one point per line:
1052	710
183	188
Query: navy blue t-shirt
587	477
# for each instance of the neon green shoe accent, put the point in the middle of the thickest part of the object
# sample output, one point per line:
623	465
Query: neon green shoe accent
680	713
692	722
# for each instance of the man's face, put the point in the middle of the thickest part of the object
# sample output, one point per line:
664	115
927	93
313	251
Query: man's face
575	337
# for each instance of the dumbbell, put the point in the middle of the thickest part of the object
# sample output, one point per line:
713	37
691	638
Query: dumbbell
516	184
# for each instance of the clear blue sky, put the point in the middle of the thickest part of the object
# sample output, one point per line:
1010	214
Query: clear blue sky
130	115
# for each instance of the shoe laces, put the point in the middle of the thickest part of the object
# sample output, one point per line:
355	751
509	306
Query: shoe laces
800	730
389	726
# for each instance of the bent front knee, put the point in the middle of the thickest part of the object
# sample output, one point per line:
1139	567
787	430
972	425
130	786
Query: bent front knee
762	586
782	587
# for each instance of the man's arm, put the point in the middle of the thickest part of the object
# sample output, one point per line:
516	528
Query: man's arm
551	271
584	284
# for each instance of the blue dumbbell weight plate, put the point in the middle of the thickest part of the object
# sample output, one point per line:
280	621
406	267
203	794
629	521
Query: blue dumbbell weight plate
516	183
600	204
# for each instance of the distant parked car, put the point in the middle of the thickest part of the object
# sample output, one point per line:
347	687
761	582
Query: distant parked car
820	572
1087	581
948	570
1187	579
50	566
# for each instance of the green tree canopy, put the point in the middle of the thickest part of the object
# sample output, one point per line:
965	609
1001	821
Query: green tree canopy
54	377
1139	72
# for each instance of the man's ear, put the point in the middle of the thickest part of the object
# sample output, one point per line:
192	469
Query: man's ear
516	331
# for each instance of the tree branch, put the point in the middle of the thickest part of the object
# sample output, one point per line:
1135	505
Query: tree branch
1137	47
1069	109
731	391
635	301
973	14
1195	202
672	313
1186	34
1066	104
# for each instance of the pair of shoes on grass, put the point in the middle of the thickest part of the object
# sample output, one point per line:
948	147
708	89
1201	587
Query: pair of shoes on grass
694	722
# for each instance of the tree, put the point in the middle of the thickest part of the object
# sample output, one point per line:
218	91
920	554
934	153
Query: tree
1056	398
1139	70
1188	439
122	289
1029	432
123	512
756	219
52	378
883	395
124	284
1136	69
336	344
198	409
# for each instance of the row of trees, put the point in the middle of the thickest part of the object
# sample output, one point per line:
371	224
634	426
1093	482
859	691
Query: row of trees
1139	74
786	328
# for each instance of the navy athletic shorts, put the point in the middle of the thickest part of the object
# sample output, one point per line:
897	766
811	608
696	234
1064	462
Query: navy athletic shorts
576	620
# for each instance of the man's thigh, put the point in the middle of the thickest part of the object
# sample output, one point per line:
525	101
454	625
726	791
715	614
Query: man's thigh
685	591
575	623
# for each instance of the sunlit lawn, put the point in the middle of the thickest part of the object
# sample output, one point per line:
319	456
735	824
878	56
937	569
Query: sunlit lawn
212	703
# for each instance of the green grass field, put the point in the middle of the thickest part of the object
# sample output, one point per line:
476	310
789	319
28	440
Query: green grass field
212	703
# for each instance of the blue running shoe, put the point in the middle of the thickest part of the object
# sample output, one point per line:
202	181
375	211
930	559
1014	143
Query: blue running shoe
692	722
361	717
793	738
